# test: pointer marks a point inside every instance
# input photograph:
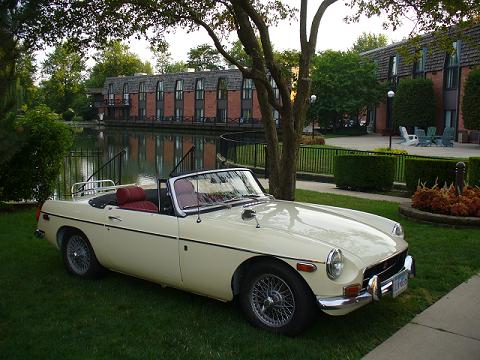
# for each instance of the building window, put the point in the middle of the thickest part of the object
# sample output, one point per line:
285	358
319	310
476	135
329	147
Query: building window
199	115
247	89
142	92
222	89
159	113
199	89
222	115
126	94
393	69
178	100
246	115
160	93
451	67
419	65
111	95
276	94
179	90
450	118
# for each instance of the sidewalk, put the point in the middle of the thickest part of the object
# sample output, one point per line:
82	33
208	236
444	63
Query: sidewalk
331	189
449	329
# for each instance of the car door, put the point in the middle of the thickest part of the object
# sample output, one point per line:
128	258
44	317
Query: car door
142	244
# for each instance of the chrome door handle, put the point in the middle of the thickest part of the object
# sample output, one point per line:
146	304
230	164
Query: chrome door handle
114	218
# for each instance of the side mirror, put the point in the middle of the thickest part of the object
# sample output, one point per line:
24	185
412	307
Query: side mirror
249	214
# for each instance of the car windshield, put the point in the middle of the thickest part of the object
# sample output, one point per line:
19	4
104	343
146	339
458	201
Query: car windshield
223	187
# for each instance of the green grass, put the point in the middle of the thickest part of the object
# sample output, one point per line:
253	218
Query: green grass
45	313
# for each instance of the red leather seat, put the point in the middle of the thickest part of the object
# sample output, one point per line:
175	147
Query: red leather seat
133	198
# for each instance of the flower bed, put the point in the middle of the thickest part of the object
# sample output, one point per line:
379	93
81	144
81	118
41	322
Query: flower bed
446	201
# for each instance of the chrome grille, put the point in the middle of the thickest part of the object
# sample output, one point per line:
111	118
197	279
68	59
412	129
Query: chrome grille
385	269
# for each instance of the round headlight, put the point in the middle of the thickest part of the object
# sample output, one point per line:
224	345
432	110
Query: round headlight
397	230
334	264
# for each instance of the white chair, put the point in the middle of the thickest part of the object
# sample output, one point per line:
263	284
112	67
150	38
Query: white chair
408	139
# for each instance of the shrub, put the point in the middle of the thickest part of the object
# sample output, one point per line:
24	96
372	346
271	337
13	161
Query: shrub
364	172
429	172
68	115
317	140
77	118
471	101
446	201
32	171
474	171
391	151
414	103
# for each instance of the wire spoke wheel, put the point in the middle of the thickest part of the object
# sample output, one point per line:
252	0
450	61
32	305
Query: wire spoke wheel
78	255
272	300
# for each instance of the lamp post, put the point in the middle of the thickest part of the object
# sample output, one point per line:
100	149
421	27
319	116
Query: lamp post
313	98
390	95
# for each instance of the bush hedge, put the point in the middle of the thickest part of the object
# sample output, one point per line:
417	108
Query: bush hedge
364	172
474	171
31	173
414	103
429	172
471	101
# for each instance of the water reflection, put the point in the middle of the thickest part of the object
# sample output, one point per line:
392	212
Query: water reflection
148	154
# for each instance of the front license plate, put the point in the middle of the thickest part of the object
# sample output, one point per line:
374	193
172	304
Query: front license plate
400	283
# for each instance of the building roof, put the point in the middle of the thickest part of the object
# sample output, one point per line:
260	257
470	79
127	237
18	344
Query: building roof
435	57
233	76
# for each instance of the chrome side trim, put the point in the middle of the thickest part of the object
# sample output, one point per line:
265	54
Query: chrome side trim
375	291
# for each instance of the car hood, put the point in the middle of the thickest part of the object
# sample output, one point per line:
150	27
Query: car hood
360	234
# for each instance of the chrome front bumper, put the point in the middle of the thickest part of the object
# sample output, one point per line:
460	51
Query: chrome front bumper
375	290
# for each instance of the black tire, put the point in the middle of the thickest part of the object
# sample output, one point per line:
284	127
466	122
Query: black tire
273	297
79	257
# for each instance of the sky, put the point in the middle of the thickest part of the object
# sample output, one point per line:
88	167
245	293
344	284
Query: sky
334	34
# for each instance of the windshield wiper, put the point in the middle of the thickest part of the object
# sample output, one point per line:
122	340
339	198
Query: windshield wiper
187	207
251	196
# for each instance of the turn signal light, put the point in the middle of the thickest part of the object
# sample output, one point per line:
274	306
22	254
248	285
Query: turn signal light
352	290
307	267
37	214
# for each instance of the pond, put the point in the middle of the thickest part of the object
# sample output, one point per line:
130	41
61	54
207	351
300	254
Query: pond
149	154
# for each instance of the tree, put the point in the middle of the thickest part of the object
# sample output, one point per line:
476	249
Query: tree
204	57
344	83
414	103
471	101
369	41
92	22
176	67
115	60
64	71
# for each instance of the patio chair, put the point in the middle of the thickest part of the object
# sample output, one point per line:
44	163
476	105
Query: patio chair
408	139
423	140
431	132
447	137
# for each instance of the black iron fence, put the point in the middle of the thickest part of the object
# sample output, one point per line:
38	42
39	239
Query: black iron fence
82	165
249	149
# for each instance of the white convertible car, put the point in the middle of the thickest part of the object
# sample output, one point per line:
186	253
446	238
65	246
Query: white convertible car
217	233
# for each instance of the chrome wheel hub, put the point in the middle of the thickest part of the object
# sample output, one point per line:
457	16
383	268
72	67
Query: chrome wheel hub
78	254
272	300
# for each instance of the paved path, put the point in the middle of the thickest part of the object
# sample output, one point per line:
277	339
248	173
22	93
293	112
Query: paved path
449	329
373	141
331	189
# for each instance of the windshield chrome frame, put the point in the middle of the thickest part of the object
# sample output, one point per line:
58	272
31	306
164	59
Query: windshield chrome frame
182	213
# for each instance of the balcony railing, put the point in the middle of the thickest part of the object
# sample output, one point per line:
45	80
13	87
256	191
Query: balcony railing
113	103
188	120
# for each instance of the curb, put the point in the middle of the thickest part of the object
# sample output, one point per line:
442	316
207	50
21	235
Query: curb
437	219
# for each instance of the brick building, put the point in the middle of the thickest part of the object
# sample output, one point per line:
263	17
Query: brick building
447	71
222	96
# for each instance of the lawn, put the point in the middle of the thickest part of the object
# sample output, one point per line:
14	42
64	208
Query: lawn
45	313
